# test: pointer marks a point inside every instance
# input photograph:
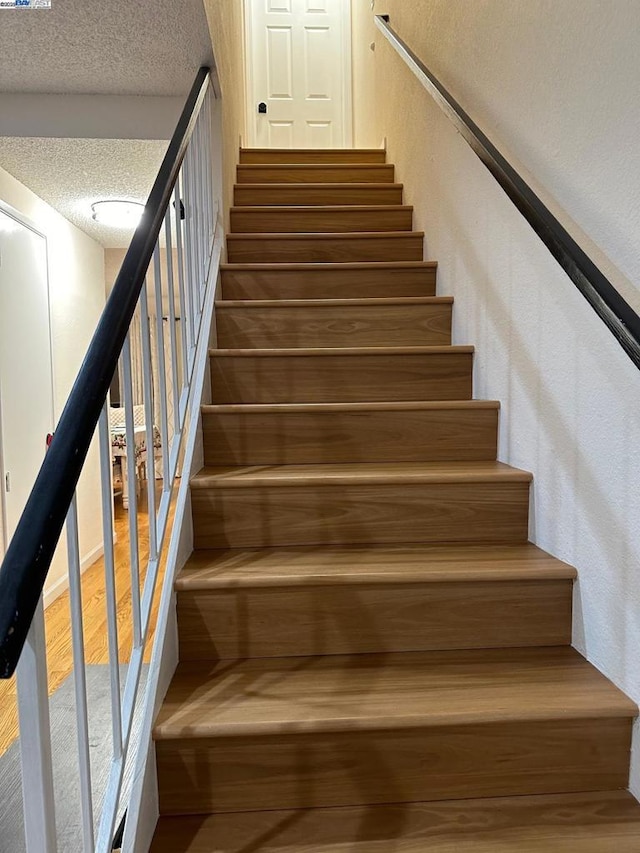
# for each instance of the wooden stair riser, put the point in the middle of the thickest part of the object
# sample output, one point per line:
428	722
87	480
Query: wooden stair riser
325	248
341	378
312	155
376	173
263	517
258	220
371	618
405	765
570	823
322	282
317	194
288	436
419	324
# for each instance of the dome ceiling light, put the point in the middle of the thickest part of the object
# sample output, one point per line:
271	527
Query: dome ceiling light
118	213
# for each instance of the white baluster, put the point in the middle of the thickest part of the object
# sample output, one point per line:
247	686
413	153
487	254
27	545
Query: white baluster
110	578
80	677
35	741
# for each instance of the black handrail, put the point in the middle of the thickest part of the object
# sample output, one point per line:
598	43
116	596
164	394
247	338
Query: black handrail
599	292
27	561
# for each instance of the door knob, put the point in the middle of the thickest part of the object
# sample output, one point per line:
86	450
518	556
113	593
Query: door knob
262	107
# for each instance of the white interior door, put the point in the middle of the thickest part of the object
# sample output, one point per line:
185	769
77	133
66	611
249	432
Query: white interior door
26	394
299	70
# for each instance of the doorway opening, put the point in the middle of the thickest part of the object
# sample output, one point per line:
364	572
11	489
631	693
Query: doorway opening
26	364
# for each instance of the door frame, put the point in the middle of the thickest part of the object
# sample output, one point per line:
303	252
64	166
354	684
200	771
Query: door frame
29	223
347	80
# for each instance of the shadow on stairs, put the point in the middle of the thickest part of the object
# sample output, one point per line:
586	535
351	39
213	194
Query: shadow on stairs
372	655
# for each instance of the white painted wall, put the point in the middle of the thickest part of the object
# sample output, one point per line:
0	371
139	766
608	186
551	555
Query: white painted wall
553	85
77	295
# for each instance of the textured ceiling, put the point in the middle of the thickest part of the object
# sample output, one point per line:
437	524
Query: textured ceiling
151	47
95	47
69	174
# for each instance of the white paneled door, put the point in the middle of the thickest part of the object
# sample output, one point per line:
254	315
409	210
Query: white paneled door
299	73
26	396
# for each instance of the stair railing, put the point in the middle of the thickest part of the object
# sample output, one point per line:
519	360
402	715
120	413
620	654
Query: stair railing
600	293
168	276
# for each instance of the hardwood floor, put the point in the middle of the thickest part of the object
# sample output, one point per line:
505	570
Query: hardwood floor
58	624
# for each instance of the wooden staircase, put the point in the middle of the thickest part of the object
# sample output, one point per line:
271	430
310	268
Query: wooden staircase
372	655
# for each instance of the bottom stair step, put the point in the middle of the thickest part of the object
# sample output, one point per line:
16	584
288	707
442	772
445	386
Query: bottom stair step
602	822
285	733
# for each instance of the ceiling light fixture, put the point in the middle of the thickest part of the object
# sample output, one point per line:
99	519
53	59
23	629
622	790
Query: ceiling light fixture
116	212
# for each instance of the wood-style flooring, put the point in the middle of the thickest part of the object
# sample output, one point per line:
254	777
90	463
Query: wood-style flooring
573	823
58	621
373	656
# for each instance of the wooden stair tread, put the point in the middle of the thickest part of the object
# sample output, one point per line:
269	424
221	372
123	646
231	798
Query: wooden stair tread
300	173
337	185
338	322
341	374
316	194
599	822
333	351
314	173
369	564
370	600
322	235
362	473
350	278
325	247
287	433
312	194
329	267
406	690
338	303
321	218
319	208
347	167
405	406
318	155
